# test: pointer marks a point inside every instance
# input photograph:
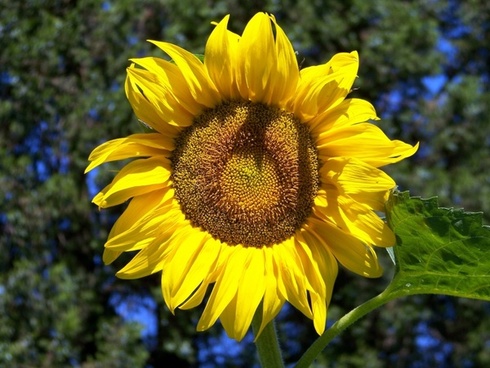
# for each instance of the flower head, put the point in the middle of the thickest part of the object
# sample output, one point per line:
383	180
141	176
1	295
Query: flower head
257	177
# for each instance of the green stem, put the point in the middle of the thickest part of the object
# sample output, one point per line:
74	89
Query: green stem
316	348
267	344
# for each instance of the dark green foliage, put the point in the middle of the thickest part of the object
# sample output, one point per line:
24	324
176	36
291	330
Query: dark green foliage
62	70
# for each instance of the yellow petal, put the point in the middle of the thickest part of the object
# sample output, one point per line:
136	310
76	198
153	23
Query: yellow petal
356	218
256	59
273	300
193	71
175	94
321	268
139	208
360	181
322	88
200	267
143	109
365	142
148	260
198	296
349	112
351	252
291	276
155	114
136	145
354	176
134	217
160	224
186	262
237	316
172	113
315	279
226	286
220	59
109	256
285	73
136	178
376	201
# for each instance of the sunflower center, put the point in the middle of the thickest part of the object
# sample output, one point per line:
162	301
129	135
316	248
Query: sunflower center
246	172
248	184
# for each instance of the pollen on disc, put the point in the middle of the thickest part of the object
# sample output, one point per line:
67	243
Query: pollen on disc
246	172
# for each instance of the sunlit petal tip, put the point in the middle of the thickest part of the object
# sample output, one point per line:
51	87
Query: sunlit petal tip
99	200
372	267
137	268
225	20
256	60
193	72
220	59
320	316
110	256
411	151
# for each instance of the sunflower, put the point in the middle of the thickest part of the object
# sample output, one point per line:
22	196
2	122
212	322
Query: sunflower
256	179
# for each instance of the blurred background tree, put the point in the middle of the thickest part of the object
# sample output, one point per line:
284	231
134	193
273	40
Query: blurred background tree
424	65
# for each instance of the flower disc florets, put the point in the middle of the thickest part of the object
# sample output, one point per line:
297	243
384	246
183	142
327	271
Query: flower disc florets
247	173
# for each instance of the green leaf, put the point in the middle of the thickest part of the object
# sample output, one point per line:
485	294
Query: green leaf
439	250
